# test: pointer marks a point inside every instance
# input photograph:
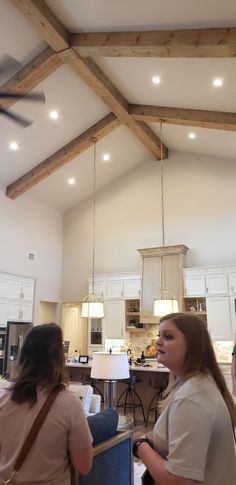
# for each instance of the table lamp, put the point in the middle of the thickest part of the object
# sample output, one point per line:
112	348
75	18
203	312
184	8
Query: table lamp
110	367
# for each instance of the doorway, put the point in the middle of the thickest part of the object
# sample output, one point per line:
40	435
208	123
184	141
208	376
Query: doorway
75	328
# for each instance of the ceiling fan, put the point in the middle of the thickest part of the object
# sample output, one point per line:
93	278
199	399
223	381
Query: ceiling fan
38	97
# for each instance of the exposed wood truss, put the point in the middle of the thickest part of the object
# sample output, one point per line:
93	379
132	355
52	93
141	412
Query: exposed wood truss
165	43
76	50
188	117
63	156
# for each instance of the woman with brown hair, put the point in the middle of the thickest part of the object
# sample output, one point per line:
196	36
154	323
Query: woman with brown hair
193	439
64	436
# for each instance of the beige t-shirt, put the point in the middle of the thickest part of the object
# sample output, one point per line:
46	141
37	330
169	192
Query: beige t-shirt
65	428
194	434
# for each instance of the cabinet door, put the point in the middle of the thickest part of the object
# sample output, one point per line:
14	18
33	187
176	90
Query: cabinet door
115	289
26	312
233	314
4	286
27	290
218	318
115	319
216	284
15	289
13	313
132	288
99	288
194	285
3	312
232	283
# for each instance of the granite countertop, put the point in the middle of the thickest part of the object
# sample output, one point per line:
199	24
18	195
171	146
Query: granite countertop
142	368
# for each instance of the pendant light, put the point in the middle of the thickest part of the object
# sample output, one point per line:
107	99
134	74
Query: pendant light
92	305
166	302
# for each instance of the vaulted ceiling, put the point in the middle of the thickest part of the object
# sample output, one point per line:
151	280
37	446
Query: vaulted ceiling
94	61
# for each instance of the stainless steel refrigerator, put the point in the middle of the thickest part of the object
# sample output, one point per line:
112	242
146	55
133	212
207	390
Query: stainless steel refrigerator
16	332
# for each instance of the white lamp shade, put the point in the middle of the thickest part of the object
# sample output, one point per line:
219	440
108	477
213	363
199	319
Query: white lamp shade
163	307
92	309
108	366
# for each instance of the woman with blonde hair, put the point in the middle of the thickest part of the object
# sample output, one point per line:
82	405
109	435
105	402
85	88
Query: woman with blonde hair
193	439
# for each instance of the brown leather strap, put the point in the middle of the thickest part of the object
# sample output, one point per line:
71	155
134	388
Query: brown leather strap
30	439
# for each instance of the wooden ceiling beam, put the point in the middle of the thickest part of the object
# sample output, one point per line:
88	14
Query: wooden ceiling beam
217	120
216	42
69	151
103	87
45	22
31	75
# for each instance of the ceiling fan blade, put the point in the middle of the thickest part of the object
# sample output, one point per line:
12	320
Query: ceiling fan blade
14	117
38	97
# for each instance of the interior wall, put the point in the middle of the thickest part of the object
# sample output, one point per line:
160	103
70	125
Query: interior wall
27	225
200	202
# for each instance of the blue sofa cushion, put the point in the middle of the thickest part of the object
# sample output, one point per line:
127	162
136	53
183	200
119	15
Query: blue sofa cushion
103	425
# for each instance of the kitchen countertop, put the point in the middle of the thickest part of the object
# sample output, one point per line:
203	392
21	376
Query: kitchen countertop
140	368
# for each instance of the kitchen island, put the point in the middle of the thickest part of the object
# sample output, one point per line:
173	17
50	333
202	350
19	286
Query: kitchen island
148	379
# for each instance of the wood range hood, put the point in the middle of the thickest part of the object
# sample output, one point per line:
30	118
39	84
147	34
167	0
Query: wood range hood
174	261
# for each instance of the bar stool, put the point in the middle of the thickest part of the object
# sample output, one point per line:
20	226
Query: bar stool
153	405
131	399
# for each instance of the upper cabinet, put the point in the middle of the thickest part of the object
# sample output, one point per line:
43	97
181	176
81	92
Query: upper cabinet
204	282
115	289
132	288
232	282
16	298
99	288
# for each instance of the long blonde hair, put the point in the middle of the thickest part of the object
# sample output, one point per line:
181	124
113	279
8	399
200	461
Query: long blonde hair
200	356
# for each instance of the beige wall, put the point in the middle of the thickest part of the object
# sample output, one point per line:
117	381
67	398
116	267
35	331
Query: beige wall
26	225
200	211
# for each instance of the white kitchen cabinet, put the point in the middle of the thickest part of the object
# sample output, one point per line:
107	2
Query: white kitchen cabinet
21	289
219	318
99	288
115	289
232	283
4	285
216	284
194	285
3	312
233	315
20	311
115	319
132	288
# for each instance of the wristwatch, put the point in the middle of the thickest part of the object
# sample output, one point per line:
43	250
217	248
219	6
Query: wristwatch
138	442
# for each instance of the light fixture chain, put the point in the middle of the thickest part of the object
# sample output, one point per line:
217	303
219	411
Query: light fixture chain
94	208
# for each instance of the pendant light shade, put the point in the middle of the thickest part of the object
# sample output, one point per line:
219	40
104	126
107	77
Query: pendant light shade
166	302
93	305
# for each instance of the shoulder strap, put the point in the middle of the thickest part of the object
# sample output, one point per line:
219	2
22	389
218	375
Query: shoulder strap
30	439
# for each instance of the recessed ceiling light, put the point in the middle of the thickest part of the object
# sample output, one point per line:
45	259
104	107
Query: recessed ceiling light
106	157
54	115
217	82
71	181
192	136
13	145
156	80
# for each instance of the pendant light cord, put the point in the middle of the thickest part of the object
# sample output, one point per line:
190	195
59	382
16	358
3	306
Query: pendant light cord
162	216
94	206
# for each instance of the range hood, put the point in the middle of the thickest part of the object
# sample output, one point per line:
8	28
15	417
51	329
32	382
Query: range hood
151	277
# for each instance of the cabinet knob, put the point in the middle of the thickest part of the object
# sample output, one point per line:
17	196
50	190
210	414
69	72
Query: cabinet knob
206	289
121	293
232	288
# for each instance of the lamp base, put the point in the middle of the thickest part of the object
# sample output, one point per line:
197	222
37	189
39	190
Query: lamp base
110	392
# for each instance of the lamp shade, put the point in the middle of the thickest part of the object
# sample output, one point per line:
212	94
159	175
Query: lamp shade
163	307
108	366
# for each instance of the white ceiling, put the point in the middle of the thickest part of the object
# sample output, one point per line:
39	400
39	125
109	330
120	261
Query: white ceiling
185	83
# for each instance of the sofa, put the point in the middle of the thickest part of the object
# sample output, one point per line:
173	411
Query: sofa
91	402
112	457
